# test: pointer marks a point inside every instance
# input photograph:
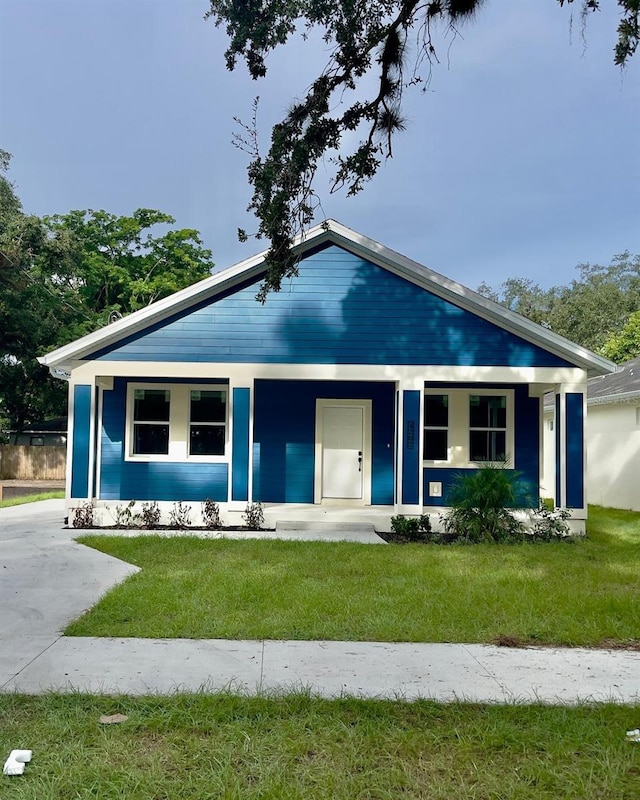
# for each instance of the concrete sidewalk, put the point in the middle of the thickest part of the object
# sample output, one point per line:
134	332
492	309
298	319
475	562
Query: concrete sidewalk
47	580
444	672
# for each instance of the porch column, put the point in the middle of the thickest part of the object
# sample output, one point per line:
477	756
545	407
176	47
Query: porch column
409	487
570	421
80	441
240	444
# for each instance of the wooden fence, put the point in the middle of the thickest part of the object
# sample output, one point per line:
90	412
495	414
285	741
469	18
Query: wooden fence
32	463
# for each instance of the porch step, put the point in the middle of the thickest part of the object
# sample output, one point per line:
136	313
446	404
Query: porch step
320	526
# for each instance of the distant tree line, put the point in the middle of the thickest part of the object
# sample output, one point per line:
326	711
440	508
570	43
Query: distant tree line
600	309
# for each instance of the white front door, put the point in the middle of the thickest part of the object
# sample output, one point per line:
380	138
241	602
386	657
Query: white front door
342	450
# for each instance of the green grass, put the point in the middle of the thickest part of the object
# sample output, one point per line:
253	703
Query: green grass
297	746
584	593
30	498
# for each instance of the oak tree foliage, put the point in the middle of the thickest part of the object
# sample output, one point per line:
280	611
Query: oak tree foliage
379	50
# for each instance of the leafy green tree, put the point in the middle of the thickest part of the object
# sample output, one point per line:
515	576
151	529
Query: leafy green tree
105	265
67	275
379	49
625	345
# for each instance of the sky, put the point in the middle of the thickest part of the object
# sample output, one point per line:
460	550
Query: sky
521	160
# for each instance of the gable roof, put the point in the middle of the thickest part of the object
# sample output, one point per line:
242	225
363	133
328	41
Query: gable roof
625	383
329	232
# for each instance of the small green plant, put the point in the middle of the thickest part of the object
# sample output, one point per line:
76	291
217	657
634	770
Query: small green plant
180	515
150	515
254	516
480	502
211	514
83	516
126	517
550	523
413	528
424	523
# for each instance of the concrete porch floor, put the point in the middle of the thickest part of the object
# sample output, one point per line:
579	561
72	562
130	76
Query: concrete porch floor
328	517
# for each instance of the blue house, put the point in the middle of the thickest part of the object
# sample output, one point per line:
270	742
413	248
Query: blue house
366	384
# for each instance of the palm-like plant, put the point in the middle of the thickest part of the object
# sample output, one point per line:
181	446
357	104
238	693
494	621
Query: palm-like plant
480	504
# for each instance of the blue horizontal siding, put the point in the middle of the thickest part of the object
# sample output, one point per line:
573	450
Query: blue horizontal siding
526	459
141	480
341	309
284	437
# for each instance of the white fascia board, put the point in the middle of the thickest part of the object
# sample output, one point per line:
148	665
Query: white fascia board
243	374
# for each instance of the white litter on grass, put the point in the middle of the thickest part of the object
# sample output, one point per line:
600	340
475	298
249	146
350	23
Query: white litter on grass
634	735
14	765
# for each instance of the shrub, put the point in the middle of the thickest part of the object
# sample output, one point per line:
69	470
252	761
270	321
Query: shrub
126	517
479	503
550	523
150	515
83	516
180	515
411	527
211	514
254	516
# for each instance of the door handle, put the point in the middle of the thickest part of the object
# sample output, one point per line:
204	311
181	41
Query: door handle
360	461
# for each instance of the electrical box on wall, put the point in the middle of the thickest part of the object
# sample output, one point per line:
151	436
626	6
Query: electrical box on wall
435	488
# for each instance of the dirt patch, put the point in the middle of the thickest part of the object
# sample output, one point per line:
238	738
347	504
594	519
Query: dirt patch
508	640
421	538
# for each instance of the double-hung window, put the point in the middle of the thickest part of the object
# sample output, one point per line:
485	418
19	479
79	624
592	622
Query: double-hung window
177	422
487	427
207	422
466	427
436	427
151	417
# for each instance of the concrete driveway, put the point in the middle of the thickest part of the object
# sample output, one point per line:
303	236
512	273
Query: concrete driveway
46	581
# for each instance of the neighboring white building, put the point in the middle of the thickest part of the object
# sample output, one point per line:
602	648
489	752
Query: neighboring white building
613	439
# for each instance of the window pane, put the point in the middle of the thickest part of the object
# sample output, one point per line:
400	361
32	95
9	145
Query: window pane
151	404
487	445
487	411
206	440
436	410
435	445
150	439
208	406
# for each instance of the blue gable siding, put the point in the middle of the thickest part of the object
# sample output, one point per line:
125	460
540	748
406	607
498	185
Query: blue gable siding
526	459
341	309
160	480
284	437
81	429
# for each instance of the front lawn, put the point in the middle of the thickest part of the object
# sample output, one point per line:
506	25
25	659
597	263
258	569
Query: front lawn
295	746
585	593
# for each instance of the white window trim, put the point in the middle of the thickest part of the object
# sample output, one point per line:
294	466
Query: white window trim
459	427
179	420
